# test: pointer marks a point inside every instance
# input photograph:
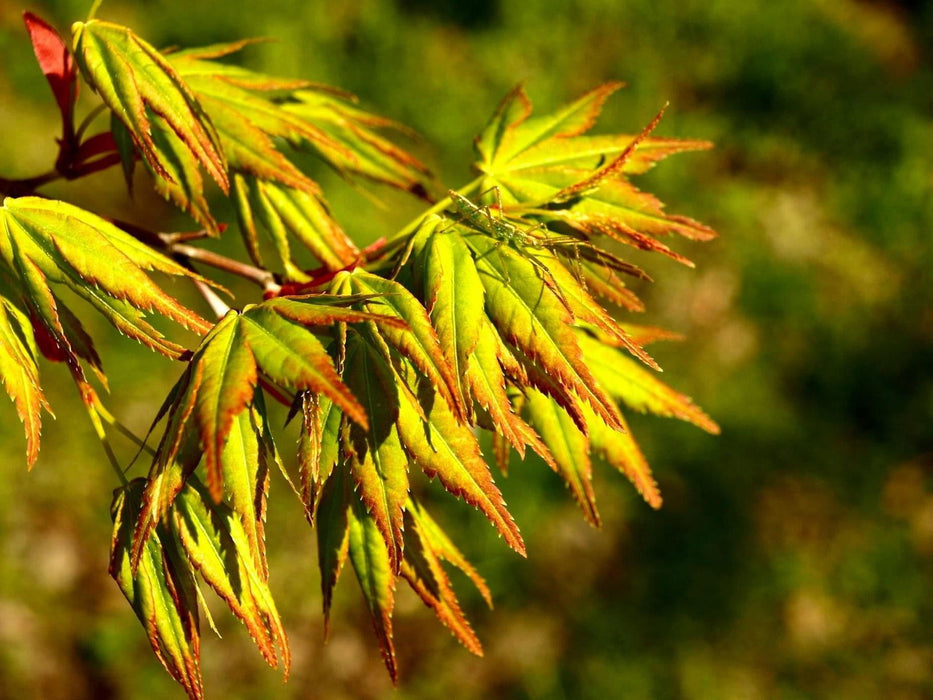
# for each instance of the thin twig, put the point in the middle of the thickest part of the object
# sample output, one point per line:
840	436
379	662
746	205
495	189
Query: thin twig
263	278
27	186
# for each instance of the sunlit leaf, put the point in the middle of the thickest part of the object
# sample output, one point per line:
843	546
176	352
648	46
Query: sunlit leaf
424	573
570	448
219	549
447	449
162	591
619	449
275	340
544	166
530	316
362	149
418	340
136	82
45	242
284	211
20	373
56	63
638	388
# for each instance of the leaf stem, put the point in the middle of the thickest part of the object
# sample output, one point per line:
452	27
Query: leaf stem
87	121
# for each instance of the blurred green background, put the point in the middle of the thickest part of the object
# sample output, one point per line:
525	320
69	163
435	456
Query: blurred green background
793	555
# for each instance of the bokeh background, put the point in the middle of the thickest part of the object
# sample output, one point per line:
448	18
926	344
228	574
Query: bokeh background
793	555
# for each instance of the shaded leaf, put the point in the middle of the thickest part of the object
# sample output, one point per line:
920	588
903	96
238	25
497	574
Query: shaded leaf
377	461
375	572
247	122
333	536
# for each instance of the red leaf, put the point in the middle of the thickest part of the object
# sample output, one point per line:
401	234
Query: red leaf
55	61
46	342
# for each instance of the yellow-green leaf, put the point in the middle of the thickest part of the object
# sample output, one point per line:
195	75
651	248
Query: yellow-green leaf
20	373
284	211
637	388
45	242
135	81
218	547
162	591
570	448
423	570
447	449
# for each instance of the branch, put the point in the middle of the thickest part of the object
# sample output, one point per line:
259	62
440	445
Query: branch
27	186
263	278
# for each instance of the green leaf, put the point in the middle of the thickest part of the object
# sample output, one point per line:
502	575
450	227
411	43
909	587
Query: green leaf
454	297
135	81
531	317
545	168
284	211
333	535
434	537
511	131
43	241
621	451
570	448
639	389
377	461
592	152
447	449
418	341
318	447
375	572
245	476
488	386
423	570
162	591
361	149
219	548
585	310
247	122
275	340
20	373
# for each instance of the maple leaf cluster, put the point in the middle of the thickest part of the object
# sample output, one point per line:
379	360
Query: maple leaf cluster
493	312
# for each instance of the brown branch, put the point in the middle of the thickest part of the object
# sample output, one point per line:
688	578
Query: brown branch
263	278
26	186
